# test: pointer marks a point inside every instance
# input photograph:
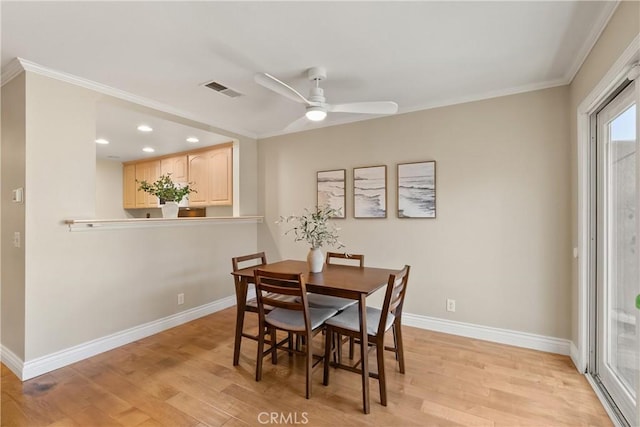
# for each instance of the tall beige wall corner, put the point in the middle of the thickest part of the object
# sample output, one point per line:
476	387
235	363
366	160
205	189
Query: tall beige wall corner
12	169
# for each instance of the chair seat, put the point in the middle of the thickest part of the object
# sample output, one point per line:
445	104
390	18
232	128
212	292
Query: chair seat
293	320
350	320
252	304
327	301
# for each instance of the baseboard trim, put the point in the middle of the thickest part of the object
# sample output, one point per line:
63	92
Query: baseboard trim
11	360
48	363
487	333
575	358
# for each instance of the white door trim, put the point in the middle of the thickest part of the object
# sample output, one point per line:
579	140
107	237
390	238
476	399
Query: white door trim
616	74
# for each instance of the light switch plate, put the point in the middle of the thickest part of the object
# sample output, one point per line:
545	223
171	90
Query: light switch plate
17	195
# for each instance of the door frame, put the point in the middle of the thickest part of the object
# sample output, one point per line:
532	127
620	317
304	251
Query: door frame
618	72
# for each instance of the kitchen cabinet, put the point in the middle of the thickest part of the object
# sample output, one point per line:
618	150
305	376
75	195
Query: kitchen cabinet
209	171
211	175
147	171
130	188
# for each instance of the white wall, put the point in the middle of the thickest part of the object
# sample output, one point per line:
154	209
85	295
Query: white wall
82	286
500	244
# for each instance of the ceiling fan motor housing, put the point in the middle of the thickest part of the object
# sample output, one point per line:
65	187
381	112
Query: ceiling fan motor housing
316	94
317	73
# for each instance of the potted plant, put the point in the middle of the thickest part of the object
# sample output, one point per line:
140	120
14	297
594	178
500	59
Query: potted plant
169	193
314	228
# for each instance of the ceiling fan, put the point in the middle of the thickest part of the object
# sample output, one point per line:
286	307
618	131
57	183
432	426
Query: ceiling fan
316	105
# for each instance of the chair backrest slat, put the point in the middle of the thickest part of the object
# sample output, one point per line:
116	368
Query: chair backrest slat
345	256
258	259
394	296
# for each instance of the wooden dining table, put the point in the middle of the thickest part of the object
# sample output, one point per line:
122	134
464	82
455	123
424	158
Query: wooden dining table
336	280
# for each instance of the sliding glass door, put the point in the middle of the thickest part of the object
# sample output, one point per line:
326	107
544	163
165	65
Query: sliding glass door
616	247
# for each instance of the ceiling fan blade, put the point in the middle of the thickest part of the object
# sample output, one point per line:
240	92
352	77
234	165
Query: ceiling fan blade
382	107
279	87
298	124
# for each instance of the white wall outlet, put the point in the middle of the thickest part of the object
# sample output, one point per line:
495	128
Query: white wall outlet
16	239
451	305
180	299
575	252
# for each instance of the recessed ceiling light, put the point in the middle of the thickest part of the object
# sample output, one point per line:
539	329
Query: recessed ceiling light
148	150
145	128
193	139
101	141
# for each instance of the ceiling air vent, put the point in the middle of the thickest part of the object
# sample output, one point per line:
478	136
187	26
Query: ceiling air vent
223	89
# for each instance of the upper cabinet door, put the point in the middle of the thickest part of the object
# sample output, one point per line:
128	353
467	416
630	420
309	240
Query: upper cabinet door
129	187
150	172
177	167
220	177
210	173
198	172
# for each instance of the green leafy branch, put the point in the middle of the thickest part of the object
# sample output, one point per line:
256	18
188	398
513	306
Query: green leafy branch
165	189
314	227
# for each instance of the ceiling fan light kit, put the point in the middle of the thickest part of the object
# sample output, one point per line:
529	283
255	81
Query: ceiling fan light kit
316	114
316	105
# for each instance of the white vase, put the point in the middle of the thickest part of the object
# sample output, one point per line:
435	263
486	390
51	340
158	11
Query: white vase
170	210
315	258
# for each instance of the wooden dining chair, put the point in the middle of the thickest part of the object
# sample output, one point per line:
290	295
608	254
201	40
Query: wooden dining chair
251	305
345	256
293	316
337	303
379	321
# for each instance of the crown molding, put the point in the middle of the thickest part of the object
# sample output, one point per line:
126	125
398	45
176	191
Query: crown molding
487	95
18	65
11	71
591	40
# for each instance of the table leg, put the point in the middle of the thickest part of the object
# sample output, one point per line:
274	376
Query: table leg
364	352
241	303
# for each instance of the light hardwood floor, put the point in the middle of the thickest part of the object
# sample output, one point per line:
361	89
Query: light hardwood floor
184	377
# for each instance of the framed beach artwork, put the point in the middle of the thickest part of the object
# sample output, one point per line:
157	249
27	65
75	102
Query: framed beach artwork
331	186
370	192
417	190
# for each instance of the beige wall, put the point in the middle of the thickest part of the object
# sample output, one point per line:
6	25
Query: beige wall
623	27
500	245
13	176
109	189
82	286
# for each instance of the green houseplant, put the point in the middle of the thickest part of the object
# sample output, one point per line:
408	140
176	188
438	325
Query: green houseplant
169	193
314	228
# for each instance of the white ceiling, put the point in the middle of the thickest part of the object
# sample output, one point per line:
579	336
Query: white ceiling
119	125
418	54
